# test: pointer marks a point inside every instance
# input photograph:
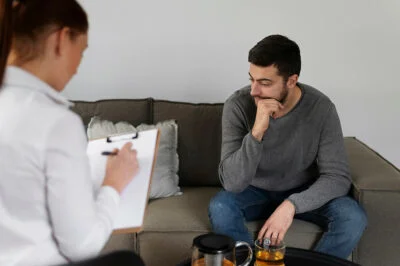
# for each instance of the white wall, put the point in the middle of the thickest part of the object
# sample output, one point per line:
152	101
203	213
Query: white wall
197	51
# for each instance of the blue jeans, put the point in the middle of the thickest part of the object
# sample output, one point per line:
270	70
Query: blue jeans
342	219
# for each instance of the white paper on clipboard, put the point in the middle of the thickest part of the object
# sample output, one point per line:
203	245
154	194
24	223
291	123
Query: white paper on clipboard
135	196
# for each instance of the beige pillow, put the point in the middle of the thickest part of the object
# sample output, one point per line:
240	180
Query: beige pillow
165	178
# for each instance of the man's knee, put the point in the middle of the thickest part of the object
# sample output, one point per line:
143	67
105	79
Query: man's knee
358	217
351	215
221	204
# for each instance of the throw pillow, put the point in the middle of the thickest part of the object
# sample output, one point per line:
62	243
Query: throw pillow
165	178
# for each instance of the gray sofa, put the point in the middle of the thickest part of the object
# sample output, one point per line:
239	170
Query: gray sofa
172	223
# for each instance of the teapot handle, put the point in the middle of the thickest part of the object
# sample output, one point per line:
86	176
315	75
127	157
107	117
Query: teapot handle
250	256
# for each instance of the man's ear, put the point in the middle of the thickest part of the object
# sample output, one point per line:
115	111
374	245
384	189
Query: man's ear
62	40
292	81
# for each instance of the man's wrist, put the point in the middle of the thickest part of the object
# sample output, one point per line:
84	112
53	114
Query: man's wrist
257	134
292	204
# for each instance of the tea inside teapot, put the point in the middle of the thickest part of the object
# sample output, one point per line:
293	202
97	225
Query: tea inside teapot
216	250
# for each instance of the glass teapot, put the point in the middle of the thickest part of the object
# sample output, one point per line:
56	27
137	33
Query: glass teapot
217	250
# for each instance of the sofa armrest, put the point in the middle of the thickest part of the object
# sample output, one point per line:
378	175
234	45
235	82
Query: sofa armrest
369	170
376	186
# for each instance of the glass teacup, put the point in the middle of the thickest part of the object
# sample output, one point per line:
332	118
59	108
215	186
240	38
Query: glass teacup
269	252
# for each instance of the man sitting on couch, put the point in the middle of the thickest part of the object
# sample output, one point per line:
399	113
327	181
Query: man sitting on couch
283	156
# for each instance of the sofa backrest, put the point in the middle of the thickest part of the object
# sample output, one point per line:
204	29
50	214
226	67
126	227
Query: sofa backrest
199	131
135	111
199	139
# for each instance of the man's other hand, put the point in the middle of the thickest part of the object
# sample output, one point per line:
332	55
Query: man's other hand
279	222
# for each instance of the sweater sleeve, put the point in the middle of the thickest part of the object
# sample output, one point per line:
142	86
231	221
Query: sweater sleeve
240	151
334	177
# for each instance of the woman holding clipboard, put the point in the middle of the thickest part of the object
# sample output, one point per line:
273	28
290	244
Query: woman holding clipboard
49	214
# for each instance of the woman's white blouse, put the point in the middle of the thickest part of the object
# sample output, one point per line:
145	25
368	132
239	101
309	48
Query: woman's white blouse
48	211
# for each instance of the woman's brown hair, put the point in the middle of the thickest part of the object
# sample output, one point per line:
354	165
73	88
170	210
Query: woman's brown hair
25	25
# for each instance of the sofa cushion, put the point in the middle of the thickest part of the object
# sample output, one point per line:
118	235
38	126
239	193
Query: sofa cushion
189	212
101	128
199	140
165	179
133	111
176	221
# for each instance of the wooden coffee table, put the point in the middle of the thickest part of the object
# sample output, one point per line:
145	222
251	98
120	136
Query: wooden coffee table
297	256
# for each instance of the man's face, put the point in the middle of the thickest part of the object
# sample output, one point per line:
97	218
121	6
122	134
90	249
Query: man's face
267	84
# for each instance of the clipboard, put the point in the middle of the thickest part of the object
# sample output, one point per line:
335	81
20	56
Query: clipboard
134	198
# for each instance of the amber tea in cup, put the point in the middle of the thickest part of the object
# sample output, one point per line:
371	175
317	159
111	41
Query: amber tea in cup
269	253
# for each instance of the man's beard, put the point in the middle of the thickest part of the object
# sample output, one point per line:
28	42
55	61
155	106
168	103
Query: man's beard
284	94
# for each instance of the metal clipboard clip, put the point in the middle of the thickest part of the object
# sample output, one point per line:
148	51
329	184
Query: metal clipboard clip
122	137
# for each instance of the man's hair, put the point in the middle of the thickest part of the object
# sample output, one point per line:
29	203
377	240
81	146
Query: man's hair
278	51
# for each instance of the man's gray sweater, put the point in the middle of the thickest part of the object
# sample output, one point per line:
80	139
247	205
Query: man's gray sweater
305	146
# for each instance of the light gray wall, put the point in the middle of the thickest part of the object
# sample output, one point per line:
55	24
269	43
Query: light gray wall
197	51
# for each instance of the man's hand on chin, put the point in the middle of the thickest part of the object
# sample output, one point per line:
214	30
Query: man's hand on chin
279	222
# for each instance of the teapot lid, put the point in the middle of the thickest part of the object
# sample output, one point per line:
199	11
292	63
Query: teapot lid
214	243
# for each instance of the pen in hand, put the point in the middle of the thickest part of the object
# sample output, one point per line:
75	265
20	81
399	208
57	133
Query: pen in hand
109	153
